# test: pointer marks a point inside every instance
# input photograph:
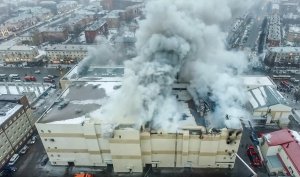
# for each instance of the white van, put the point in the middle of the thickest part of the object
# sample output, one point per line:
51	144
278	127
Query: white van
13	159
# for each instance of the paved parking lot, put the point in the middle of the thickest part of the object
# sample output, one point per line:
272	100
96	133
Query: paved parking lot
22	71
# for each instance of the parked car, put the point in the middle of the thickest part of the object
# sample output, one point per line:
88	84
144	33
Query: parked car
14	77
24	149
30	78
10	168
50	76
254	157
44	161
48	80
37	72
3	77
33	139
13	159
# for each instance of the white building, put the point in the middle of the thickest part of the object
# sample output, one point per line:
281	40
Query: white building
268	106
281	150
16	125
72	134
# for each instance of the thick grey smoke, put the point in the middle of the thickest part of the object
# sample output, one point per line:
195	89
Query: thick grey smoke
103	54
181	37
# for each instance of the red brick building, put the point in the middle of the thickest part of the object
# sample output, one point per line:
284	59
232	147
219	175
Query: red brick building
98	28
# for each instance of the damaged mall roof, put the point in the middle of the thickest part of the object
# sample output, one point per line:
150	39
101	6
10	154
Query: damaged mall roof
79	100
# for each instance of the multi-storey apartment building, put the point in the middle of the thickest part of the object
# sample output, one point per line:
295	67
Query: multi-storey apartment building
19	54
66	53
16	125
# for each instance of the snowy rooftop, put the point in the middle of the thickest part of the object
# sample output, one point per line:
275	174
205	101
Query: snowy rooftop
285	49
95	73
31	90
257	81
294	29
264	97
7	109
96	25
59	47
80	100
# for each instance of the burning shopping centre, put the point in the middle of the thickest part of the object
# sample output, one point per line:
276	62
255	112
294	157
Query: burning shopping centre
177	104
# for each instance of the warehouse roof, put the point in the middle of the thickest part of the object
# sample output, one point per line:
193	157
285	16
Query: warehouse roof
264	97
257	81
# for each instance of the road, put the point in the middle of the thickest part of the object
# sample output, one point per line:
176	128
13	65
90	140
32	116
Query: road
258	12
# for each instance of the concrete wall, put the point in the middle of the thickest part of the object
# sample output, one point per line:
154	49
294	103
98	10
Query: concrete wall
288	163
130	150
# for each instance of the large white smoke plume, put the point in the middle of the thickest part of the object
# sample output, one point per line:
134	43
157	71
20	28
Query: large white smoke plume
181	38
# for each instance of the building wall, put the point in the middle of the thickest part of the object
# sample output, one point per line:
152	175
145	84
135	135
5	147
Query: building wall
14	133
130	150
65	56
278	112
14	56
288	163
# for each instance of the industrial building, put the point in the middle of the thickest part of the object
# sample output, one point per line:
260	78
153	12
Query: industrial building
281	151
268	106
16	125
75	119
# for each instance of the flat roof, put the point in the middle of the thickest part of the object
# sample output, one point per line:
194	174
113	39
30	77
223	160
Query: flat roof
17	48
7	109
285	49
294	29
96	25
82	98
95	73
31	90
60	47
258	81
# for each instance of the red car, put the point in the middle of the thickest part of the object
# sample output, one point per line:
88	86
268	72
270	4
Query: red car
254	157
29	78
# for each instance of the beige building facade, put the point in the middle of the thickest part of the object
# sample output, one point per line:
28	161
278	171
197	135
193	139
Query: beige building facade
129	150
17	54
66	53
16	125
